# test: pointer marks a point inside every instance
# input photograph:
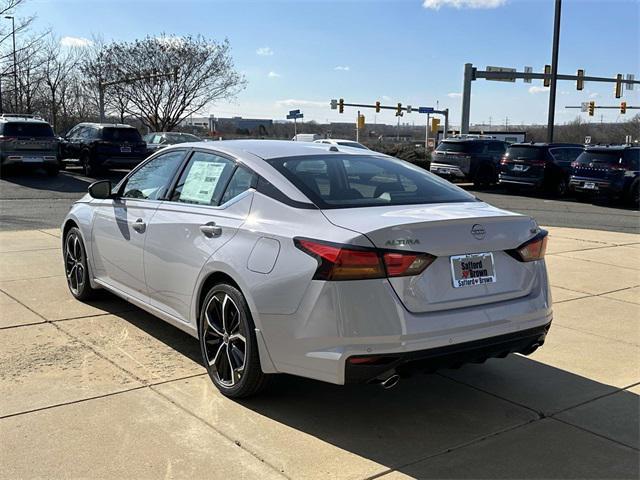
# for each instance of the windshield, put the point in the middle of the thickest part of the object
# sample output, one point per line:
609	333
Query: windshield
121	134
613	157
525	153
181	138
353	144
27	129
336	181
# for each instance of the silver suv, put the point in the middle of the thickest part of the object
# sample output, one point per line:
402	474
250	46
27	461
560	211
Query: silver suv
29	141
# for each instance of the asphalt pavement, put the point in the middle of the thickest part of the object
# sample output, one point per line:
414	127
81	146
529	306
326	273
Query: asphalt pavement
31	201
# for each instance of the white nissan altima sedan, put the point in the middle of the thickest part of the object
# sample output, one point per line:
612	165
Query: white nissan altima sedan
333	263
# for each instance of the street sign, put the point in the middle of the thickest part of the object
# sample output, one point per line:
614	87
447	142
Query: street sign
409	109
584	107
630	78
527	79
334	104
587	139
295	116
294	112
501	69
425	109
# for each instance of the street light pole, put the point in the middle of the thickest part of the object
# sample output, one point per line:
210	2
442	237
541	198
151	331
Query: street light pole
554	71
15	61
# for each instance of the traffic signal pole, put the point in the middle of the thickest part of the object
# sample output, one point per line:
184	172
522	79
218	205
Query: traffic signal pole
554	72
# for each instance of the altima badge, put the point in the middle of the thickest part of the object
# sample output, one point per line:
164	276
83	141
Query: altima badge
478	231
402	242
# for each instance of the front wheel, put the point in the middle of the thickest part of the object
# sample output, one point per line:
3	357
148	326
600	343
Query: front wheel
228	343
76	266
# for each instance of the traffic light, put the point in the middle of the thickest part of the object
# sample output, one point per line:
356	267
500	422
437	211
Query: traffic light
360	121
547	71
399	110
618	87
580	80
341	105
623	107
592	107
435	124
377	107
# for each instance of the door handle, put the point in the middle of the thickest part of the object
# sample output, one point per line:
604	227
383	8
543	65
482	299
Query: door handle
139	226
211	229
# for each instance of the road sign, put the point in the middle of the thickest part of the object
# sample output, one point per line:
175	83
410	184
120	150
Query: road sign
425	109
584	107
501	69
527	70
294	112
587	139
295	116
334	104
409	108
630	78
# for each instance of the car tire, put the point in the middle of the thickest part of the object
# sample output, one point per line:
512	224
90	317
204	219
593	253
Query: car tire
484	177
634	195
560	187
88	169
228	343
76	267
52	170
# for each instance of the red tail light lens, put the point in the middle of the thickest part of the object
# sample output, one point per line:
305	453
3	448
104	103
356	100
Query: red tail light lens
349	262
531	250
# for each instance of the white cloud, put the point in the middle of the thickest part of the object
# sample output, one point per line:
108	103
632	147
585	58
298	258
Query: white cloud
535	89
291	102
437	4
454	95
344	68
75	42
264	52
273	75
594	95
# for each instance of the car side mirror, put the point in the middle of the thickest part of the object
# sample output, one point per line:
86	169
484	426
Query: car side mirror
100	189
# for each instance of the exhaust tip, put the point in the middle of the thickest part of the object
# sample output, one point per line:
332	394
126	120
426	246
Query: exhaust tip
390	382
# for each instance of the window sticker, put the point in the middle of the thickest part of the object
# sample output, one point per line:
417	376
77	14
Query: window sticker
201	182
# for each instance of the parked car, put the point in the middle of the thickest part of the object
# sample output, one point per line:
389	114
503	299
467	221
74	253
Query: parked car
545	166
104	145
157	140
470	159
610	170
306	137
340	142
280	257
27	141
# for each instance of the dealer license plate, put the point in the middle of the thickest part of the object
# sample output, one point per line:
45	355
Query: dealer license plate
472	269
590	185
125	149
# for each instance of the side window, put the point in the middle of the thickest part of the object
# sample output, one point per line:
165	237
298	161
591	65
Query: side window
242	180
151	181
203	180
73	132
632	159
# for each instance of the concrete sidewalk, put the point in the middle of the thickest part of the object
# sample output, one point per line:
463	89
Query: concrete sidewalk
108	391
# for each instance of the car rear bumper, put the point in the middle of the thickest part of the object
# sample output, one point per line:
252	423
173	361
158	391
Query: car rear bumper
577	184
524	181
366	369
119	162
30	159
448	171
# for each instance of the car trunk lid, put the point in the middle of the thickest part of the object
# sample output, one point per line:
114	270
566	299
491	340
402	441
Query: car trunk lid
448	230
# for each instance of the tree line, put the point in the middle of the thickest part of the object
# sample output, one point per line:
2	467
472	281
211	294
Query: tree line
155	81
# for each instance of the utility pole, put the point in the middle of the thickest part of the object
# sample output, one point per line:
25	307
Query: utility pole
426	136
554	71
358	127
15	62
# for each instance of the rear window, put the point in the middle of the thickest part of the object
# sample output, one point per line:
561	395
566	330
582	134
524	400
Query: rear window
461	147
525	153
600	158
26	129
365	181
121	134
181	138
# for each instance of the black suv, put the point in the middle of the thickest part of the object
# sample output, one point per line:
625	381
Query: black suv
157	140
102	145
545	166
611	170
28	141
465	158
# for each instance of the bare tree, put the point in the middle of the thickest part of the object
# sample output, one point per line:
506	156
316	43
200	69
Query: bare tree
182	75
58	66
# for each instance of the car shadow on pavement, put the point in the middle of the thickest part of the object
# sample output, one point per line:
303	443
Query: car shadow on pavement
69	181
508	418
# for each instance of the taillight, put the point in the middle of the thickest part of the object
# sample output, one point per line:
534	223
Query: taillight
574	164
531	250
504	160
350	262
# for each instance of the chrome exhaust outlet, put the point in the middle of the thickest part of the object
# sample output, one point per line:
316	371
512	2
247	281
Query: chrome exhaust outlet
390	381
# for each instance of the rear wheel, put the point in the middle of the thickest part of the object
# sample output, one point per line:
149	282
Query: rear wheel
484	177
76	266
228	343
634	195
560	187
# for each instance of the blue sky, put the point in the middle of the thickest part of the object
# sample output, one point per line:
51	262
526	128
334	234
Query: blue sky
302	53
